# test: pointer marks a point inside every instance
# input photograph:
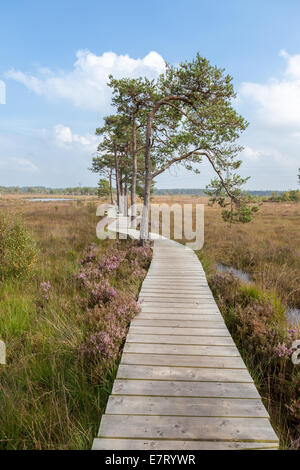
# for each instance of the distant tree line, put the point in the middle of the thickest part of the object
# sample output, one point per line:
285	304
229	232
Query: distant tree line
76	191
104	190
285	196
201	192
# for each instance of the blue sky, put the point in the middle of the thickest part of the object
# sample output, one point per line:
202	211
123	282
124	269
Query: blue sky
55	56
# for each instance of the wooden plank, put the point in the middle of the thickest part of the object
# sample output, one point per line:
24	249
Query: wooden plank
183	361
175	294
177	339
212	309
148	444
218	324
184	350
176	303
179	373
173	388
210	319
152	330
168	291
180	406
192	428
175	277
180	282
176	272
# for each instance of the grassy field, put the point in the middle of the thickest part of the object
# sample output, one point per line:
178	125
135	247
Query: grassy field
54	388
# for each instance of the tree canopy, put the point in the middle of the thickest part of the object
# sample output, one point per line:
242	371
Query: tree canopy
182	118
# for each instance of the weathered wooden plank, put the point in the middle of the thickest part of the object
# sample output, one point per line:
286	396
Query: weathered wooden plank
207	309
176	272
179	283
183	361
218	324
186	303
180	406
175	277
165	291
179	373
175	294
179	331
173	388
210	319
177	339
192	350
164	444
193	428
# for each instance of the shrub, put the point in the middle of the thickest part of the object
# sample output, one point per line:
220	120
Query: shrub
108	309
256	321
18	252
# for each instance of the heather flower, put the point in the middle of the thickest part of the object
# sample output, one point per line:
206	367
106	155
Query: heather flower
283	351
111	262
90	254
110	311
102	292
100	345
293	333
45	289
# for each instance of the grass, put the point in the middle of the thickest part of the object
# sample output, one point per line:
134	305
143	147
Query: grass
49	399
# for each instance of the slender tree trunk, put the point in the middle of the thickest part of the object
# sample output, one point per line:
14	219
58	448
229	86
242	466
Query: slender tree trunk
134	169
110	186
121	193
144	233
125	211
118	185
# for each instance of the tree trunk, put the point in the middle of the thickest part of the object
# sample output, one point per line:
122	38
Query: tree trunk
144	233
134	169
110	186
125	210
118	185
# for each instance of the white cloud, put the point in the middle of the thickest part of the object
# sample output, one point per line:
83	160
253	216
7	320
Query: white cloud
271	142
2	92
63	133
86	85
277	101
17	164
250	153
64	136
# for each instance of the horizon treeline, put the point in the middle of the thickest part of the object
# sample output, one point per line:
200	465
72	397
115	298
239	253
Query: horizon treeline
274	195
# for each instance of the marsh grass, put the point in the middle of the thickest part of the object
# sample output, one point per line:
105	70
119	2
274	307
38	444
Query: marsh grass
48	398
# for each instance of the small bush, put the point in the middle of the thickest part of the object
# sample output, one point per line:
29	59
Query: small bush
255	319
109	310
18	252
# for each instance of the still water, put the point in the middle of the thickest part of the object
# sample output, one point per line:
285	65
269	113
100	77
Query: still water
49	199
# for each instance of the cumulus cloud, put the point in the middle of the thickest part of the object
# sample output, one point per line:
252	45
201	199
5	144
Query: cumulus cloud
277	101
22	165
85	85
271	142
64	136
250	153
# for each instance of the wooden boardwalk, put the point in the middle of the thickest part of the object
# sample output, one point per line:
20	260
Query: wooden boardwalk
181	383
